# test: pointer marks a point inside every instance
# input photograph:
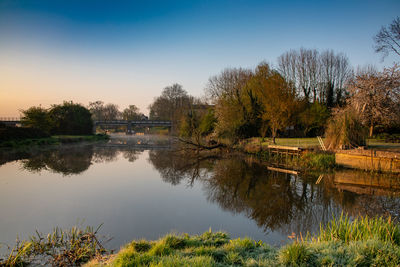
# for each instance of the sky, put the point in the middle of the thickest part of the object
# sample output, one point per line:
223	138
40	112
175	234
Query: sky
126	52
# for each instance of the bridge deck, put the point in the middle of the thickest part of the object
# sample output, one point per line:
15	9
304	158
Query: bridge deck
142	123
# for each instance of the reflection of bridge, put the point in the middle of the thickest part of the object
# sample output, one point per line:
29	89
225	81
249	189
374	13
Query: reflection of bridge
130	124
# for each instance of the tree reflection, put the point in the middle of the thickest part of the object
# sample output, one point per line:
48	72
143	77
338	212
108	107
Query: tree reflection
74	160
67	161
105	154
176	166
275	201
132	154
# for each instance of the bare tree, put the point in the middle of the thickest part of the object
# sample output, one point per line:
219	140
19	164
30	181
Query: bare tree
335	71
307	69
131	113
376	97
316	77
388	39
111	112
96	108
344	72
287	66
228	83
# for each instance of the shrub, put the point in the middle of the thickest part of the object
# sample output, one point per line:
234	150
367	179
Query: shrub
345	130
70	118
318	161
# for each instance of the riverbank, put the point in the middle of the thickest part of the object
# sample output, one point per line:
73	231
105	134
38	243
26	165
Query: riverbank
304	159
51	141
342	242
378	158
365	241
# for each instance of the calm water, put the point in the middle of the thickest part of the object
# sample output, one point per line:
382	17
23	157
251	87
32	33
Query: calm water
146	193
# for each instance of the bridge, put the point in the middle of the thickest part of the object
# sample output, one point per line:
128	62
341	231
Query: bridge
130	124
10	121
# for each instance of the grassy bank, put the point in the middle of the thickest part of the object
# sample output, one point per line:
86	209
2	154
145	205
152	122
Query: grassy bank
342	242
363	242
307	161
52	140
312	142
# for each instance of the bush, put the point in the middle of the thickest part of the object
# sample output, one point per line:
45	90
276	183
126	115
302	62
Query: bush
345	130
70	118
318	161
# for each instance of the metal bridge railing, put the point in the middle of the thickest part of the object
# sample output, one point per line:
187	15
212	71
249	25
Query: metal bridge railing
10	119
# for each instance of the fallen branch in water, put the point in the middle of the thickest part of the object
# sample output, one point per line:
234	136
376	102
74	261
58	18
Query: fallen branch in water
188	142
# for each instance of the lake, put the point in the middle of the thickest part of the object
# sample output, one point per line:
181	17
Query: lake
150	189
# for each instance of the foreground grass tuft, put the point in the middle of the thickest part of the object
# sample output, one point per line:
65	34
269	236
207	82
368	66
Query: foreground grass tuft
362	242
362	228
71	247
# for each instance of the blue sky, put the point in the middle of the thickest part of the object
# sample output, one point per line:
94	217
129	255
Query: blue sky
125	52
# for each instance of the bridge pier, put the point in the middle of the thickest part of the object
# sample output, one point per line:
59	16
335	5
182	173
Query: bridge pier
129	128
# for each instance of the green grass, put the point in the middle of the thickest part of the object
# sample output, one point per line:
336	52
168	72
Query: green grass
313	142
59	248
382	145
362	228
296	142
362	242
316	161
342	242
26	143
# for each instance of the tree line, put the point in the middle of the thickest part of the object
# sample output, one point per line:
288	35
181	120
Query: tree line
308	93
263	101
109	112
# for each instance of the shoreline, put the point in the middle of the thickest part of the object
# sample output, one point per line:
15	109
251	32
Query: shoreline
50	141
362	241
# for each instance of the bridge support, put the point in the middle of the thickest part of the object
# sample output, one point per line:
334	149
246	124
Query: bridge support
129	128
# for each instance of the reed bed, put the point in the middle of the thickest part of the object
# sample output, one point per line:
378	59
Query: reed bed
362	228
71	247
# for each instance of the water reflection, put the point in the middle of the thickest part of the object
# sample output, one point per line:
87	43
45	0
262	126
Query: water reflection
69	160
278	201
275	201
176	167
66	161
